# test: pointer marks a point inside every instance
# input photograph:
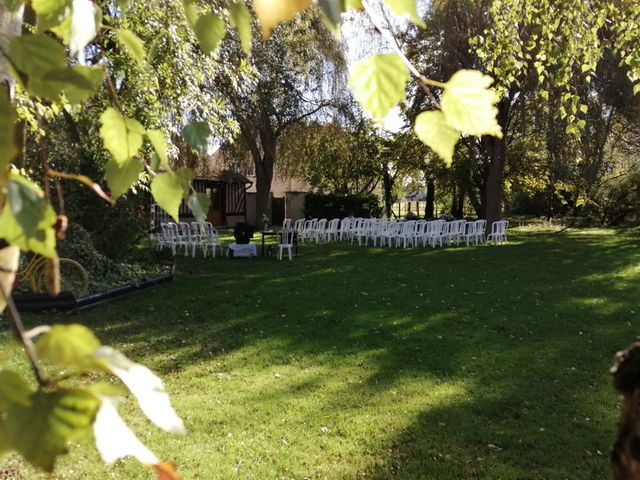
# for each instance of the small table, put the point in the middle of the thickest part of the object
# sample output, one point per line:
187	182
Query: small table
267	233
273	233
237	250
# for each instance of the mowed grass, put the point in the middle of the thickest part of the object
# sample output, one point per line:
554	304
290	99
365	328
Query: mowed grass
368	363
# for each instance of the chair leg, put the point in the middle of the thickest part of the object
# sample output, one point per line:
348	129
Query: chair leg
290	255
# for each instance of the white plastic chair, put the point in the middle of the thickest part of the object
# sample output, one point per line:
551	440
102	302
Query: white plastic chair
345	228
481	226
332	232
320	230
406	233
498	232
286	242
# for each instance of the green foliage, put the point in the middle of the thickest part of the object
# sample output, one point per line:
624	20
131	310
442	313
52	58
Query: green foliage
197	134
432	128
468	104
133	44
199	204
27	217
42	430
540	37
122	176
241	19
68	346
121	136
8	149
13	390
405	7
319	205
209	29
168	189
379	83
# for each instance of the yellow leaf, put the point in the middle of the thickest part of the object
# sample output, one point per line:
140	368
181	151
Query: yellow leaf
468	104
433	129
273	12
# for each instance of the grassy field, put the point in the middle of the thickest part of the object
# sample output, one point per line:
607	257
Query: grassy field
364	363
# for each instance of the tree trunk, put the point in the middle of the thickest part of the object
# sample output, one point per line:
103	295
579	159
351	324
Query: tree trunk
457	209
494	182
387	183
264	177
625	457
10	25
496	151
431	197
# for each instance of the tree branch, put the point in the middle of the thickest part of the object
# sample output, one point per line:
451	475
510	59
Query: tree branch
18	329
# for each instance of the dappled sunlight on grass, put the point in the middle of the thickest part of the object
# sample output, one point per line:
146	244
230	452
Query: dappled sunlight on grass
362	362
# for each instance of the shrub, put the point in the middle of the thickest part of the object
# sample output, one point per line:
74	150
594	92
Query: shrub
319	205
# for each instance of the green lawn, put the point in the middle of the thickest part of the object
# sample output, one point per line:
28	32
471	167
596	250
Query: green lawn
352	362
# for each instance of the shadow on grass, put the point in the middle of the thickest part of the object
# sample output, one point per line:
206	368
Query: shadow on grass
527	330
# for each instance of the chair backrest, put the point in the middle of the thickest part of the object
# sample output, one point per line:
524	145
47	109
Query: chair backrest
471	228
286	236
499	227
298	225
408	227
333	225
286	224
322	224
184	231
481	225
171	230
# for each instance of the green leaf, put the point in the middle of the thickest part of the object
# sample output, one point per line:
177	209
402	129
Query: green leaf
273	12
199	204
209	30
146	387
355	4
79	83
27	218
159	143
36	55
13	5
133	44
191	12
584	108
13	389
8	118
185	174
468	104
122	176
636	88
51	12
41	431
405	8
196	134
433	129
121	136
68	346
241	20
167	190
379	83
332	10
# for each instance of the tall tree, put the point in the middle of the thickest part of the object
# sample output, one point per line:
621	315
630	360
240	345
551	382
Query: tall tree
289	78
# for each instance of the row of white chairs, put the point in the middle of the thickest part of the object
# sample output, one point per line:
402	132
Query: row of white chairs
189	237
410	233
